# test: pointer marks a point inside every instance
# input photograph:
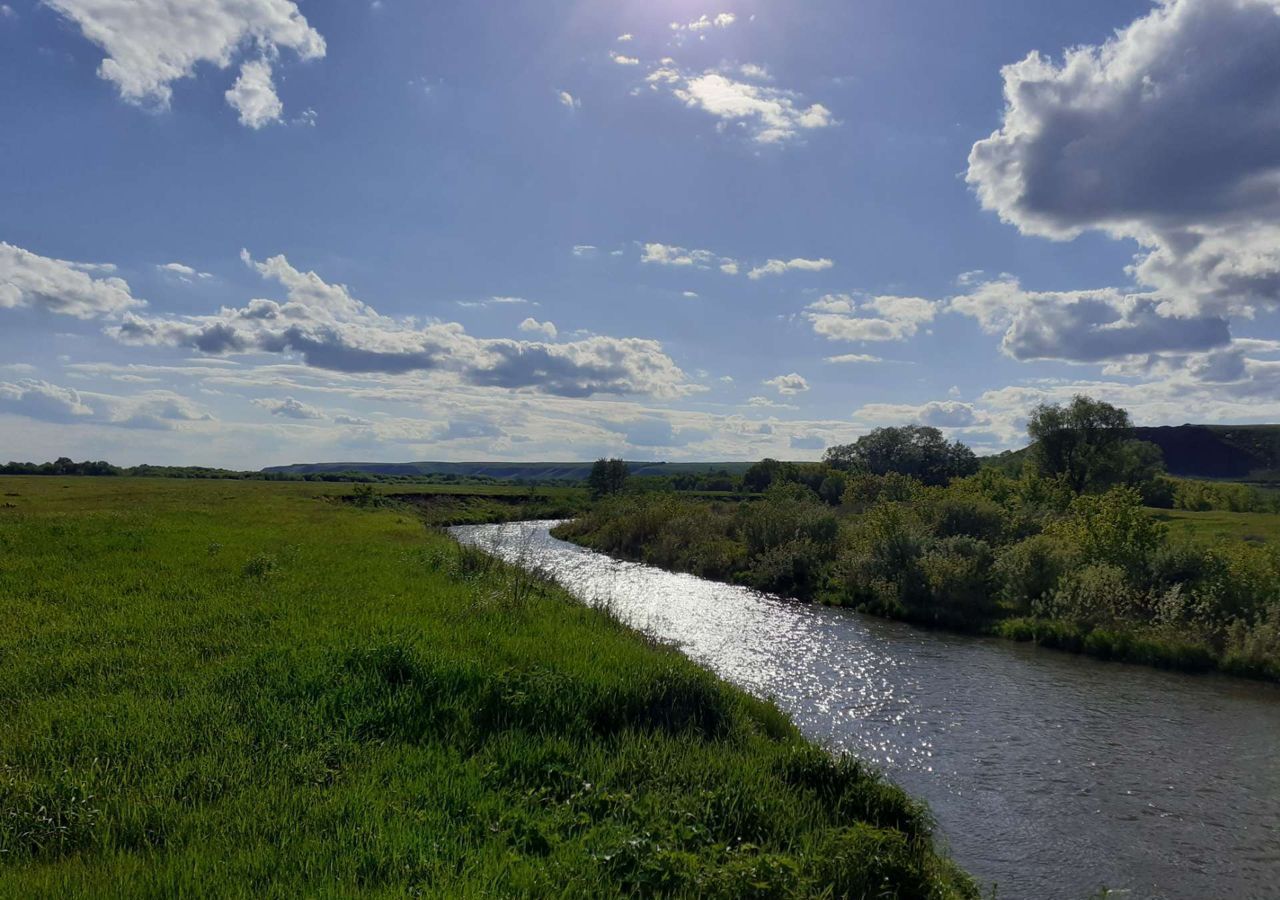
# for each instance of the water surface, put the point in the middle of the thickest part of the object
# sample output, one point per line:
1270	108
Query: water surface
1050	775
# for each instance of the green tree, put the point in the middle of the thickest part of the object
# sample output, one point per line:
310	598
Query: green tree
766	473
1090	444
608	476
915	450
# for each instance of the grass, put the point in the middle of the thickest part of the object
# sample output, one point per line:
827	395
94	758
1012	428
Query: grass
1218	525
237	689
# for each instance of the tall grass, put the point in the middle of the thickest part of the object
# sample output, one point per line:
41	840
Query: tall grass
232	689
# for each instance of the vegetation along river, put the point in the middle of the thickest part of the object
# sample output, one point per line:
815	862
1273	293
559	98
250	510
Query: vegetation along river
1050	775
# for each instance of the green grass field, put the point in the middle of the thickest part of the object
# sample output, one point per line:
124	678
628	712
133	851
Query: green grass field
1217	525
242	689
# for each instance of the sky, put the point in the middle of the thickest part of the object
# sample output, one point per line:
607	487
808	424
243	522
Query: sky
253	232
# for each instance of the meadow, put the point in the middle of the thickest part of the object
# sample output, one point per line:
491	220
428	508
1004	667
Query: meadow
258	689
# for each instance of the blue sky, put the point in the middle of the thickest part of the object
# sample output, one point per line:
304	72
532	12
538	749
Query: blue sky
253	232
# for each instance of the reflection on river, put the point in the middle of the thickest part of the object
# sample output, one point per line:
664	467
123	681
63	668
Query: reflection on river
1049	774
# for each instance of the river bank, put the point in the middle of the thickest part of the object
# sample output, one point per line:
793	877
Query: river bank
239	689
1097	575
1049	775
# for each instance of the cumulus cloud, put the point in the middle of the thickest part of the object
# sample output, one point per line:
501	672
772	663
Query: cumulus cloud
585	249
937	413
155	410
41	400
657	253
671	255
533	326
788	385
623	38
705	22
182	272
328	328
1085	326
289	408
781	267
770	115
59	286
623	60
254	95
150	44
844	317
1165	134
567	99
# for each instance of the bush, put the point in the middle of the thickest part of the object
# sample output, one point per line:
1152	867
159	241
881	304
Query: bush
789	513
957	574
1111	529
879	567
795	569
1028	571
1097	595
952	515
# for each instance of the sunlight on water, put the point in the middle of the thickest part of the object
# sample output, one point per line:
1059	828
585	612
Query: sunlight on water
1049	774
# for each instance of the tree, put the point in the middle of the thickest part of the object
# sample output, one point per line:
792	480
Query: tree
915	450
762	475
608	476
1090	444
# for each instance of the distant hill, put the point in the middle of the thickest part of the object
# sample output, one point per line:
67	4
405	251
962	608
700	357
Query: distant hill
1236	452
532	471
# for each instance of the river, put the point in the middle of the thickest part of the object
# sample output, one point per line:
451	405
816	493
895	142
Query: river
1050	775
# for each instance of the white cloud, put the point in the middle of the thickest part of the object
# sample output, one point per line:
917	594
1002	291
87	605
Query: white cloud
770	115
854	358
938	413
59	286
671	255
781	267
41	400
150	44
843	317
788	385
690	295
494	301
705	22
327	328
623	38
6	11
289	408
352	420
622	60
584	250
254	95
182	271
533	326
1162	134
1085	326
568	100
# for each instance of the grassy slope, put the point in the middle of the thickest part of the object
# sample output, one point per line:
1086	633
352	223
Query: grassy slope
237	689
